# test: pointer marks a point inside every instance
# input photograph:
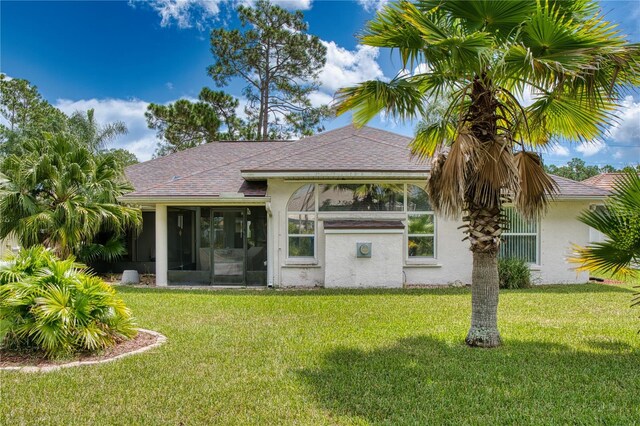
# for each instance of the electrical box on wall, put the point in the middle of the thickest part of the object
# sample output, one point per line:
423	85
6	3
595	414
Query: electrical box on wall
363	250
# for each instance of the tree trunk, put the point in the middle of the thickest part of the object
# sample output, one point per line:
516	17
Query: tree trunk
484	301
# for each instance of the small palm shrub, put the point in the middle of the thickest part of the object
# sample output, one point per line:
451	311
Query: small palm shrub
57	307
514	273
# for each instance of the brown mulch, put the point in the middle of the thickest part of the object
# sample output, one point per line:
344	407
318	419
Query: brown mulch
12	359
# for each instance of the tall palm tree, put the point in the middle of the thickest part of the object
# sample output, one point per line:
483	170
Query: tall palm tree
480	58
60	194
619	254
85	127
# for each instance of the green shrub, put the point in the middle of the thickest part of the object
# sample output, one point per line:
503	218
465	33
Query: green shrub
57	307
514	273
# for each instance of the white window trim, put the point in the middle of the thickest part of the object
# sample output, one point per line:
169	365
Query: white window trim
318	214
303	259
529	234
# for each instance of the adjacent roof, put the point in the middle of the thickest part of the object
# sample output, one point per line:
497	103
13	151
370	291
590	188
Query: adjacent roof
604	181
230	169
571	188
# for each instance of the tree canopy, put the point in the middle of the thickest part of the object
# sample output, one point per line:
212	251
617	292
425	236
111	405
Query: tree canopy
481	57
59	184
185	124
279	62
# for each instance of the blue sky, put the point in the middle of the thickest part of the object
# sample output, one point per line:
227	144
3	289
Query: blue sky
117	56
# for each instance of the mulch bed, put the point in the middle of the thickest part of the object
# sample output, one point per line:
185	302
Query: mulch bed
12	359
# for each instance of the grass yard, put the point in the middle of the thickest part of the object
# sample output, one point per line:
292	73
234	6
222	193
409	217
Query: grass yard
571	354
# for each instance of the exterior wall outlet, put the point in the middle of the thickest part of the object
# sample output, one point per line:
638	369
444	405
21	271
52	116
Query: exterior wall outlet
363	250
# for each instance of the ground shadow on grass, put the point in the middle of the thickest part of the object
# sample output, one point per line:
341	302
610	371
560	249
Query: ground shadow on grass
423	380
436	291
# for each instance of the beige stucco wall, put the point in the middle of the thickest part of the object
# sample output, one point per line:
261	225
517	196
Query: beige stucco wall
345	269
557	230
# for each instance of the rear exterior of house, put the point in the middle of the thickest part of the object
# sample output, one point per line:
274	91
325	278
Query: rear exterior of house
345	208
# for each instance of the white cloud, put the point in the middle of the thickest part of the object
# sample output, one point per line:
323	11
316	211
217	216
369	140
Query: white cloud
140	140
591	147
294	4
285	4
372	5
196	13
347	67
627	128
318	98
422	68
559	150
183	13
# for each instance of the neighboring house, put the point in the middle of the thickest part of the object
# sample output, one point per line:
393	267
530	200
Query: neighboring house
7	246
345	208
604	181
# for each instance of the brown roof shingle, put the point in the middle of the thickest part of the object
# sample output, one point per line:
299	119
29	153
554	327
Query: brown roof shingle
604	181
213	169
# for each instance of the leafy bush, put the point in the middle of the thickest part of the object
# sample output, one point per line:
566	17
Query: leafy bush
514	273
57	307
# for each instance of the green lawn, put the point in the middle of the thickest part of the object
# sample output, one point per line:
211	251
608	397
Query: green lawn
571	354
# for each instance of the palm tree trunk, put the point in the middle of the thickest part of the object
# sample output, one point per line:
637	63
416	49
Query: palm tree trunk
484	301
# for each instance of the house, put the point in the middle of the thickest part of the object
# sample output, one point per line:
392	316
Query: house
344	208
8	245
604	181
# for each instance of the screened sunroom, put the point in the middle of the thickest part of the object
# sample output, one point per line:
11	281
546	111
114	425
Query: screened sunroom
217	245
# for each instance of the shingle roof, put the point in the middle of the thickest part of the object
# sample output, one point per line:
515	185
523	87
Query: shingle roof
216	168
572	188
604	181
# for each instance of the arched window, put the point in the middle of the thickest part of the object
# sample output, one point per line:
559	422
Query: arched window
339	199
361	197
301	222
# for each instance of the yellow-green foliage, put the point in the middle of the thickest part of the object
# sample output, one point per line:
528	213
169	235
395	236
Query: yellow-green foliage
56	307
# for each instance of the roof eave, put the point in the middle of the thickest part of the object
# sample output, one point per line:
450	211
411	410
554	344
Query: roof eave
579	197
207	200
333	174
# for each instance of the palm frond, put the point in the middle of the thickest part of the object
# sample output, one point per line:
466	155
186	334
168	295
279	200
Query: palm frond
400	98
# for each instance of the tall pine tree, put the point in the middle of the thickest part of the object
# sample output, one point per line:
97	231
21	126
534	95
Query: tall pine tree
280	64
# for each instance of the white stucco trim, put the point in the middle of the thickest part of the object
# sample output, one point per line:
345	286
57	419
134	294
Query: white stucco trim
339	175
364	231
198	201
162	246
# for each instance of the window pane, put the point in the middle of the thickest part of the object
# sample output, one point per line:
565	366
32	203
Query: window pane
420	224
417	199
301	224
303	200
301	246
516	223
421	247
519	247
361	197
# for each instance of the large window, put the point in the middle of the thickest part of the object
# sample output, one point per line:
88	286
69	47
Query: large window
520	239
310	199
420	224
301	222
361	197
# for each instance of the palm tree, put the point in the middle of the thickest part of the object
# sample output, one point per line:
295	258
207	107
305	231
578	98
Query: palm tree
85	127
480	58
60	194
619	254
